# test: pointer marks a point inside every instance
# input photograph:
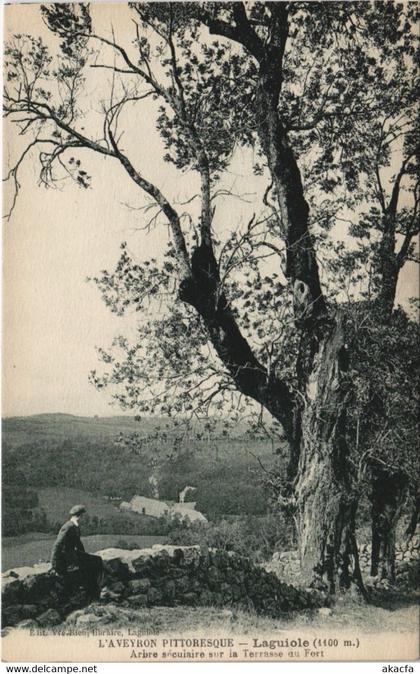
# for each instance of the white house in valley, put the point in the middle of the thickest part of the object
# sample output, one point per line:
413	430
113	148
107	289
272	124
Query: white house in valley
124	505
155	508
188	510
149	506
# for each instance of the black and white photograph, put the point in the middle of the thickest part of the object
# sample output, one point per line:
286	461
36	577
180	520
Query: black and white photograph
211	353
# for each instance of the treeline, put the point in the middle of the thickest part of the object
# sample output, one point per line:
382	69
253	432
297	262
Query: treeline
94	467
227	480
20	503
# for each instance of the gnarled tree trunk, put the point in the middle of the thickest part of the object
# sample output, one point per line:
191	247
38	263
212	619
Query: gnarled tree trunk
325	507
325	504
388	496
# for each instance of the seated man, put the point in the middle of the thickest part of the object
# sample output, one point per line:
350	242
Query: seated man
68	551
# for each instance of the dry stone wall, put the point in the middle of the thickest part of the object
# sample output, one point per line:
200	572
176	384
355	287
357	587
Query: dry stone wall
285	565
158	576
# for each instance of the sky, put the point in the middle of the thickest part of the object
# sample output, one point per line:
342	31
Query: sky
55	239
53	319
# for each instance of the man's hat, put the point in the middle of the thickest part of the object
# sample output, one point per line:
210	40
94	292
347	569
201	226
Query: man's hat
77	510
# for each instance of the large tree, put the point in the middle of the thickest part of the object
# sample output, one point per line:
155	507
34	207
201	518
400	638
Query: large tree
322	98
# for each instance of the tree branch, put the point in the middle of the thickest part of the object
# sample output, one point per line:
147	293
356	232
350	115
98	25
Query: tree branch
412	229
302	264
393	202
241	32
167	209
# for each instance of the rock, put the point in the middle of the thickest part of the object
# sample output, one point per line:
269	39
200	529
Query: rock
138	600
12	591
182	585
169	590
213	578
91	615
30	610
6	630
178	557
176	572
154	596
18	612
324	611
159	557
72	604
88	620
38	587
117	588
195	585
157	579
107	595
179	553
161	560
74	615
23	572
141	566
116	567
11	615
49	618
28	624
139	585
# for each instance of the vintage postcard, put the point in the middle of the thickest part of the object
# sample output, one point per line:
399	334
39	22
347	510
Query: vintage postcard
211	340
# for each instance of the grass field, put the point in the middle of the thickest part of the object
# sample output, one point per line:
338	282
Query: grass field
32	548
342	620
57	501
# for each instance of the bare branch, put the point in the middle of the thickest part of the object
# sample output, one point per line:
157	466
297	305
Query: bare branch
167	209
393	202
13	172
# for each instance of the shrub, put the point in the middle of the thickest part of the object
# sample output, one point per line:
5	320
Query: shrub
254	537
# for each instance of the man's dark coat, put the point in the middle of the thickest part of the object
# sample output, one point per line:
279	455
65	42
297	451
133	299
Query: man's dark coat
68	551
68	548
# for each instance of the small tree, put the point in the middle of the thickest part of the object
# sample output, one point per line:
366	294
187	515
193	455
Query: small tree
384	424
324	94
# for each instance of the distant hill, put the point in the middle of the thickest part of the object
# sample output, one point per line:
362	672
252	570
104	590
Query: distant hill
20	430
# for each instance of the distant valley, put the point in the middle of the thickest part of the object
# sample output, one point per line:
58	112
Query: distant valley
114	458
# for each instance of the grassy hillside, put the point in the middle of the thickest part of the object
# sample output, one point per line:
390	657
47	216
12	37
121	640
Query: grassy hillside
57	501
